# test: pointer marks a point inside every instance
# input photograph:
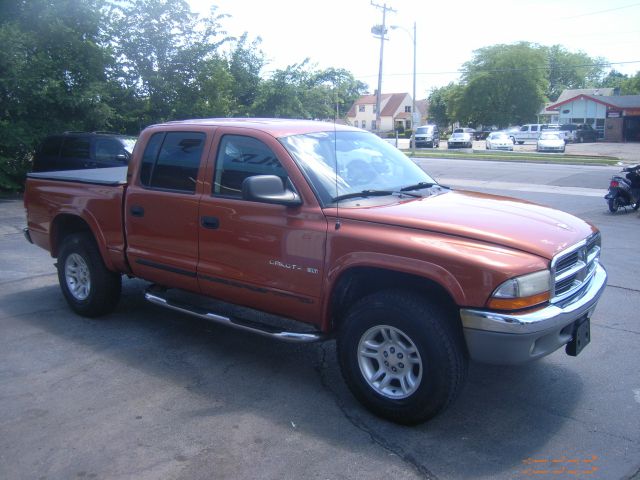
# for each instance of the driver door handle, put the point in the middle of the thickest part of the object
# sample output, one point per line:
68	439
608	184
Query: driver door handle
211	223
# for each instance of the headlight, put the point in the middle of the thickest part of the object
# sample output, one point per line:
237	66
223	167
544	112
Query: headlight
522	292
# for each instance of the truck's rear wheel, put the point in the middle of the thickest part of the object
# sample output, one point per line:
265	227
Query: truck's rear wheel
401	357
88	286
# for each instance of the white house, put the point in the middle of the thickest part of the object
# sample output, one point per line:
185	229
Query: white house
616	118
395	111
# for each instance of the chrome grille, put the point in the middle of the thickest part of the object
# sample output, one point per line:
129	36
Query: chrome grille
574	267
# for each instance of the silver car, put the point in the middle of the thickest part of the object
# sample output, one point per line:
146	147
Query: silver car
499	141
461	137
550	141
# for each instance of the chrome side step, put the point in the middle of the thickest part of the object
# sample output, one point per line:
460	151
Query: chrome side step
246	325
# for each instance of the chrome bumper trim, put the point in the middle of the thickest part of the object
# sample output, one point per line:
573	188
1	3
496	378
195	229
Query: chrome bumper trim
549	317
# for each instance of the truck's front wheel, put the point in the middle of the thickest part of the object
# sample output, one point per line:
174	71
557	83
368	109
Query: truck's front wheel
401	357
88	286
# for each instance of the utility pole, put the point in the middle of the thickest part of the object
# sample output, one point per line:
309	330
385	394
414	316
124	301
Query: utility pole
380	30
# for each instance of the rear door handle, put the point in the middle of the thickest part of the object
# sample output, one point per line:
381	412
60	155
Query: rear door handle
137	211
210	222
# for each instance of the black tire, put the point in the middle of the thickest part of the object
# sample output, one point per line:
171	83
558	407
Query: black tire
88	286
613	204
520	142
406	387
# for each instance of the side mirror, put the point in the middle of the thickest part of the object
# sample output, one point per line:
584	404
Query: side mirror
269	189
121	157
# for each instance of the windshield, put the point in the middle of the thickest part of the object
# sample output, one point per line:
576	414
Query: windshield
342	163
549	136
499	136
422	130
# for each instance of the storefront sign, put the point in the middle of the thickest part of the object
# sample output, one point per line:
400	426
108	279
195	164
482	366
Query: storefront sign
613	115
632	113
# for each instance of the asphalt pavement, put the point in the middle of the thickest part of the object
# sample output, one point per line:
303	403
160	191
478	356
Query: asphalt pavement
145	393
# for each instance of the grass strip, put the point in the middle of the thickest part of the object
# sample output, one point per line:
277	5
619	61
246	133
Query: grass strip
518	157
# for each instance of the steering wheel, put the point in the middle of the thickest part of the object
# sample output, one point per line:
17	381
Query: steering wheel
360	172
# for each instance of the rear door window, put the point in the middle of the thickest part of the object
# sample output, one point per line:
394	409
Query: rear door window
171	161
75	147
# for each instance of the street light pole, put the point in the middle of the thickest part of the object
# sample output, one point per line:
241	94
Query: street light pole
380	30
413	105
378	91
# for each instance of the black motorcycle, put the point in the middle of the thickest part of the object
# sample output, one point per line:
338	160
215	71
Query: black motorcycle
624	191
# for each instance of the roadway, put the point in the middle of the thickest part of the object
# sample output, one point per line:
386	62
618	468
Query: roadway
146	393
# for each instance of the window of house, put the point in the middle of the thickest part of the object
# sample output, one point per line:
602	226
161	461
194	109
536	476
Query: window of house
364	124
240	157
171	161
407	109
373	124
361	108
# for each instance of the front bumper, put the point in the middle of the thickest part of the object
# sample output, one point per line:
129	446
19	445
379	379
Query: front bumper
502	338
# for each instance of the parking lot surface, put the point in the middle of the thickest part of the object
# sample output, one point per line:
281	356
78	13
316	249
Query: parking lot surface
145	393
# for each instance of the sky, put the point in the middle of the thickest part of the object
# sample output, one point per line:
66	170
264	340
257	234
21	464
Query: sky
337	33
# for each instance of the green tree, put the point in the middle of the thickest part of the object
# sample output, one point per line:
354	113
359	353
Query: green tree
443	104
245	65
53	76
625	84
631	86
162	50
300	92
569	70
503	84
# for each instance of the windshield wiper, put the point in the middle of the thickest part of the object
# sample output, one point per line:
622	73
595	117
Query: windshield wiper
370	193
417	186
362	194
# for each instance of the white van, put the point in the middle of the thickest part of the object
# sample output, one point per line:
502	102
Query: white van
528	133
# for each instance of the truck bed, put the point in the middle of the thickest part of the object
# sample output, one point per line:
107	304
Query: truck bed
93	196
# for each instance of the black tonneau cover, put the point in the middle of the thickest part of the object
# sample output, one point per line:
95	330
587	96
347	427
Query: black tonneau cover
98	176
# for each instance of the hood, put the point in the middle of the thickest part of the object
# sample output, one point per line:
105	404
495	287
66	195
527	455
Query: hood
494	219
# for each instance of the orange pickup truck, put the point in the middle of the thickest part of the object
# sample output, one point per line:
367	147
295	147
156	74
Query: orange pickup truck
306	231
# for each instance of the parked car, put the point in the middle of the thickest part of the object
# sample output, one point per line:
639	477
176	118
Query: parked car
427	136
550	142
578	133
80	150
585	133
461	137
568	130
499	141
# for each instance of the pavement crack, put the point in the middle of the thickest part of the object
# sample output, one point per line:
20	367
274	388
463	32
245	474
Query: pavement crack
626	289
375	438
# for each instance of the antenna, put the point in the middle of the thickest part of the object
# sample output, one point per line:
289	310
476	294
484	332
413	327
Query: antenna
335	157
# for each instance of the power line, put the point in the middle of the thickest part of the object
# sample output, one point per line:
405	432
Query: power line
600	11
547	67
